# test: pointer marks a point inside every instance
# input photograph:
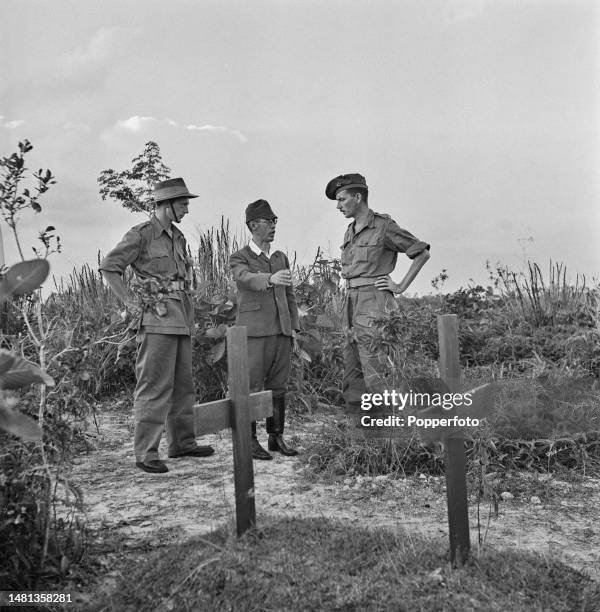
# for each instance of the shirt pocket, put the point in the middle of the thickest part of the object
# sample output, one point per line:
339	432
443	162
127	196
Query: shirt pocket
366	252
160	260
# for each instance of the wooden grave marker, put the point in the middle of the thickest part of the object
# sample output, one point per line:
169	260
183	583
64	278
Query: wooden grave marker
237	412
454	444
451	435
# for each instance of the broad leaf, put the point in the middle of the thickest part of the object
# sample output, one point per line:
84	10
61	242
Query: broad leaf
24	277
23	373
216	352
19	424
6	360
304	355
214	332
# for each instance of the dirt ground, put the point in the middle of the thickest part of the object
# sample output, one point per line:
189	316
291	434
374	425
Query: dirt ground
128	510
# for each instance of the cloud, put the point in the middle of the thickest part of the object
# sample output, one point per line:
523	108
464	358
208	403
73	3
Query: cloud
218	128
137	123
11	125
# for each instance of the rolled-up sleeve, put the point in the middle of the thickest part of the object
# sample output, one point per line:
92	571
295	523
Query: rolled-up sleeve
402	241
124	254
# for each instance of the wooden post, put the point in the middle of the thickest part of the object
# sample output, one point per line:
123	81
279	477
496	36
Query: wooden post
237	412
237	363
454	459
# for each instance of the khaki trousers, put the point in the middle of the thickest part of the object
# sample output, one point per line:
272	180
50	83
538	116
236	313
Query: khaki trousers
164	394
364	370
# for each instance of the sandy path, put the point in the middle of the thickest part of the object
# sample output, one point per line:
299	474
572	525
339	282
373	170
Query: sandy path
128	509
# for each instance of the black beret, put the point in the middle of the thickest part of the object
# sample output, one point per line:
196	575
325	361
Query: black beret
259	210
344	181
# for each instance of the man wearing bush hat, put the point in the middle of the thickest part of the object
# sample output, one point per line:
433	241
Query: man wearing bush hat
164	394
369	254
267	307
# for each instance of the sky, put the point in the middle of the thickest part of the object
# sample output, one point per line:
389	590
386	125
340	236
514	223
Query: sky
475	122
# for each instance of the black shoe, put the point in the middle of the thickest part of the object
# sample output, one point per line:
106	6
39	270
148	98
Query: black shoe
277	443
199	451
155	466
258	452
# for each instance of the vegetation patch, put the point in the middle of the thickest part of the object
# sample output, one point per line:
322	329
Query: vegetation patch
318	564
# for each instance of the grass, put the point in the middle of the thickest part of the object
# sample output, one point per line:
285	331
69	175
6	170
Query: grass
297	564
542	424
542	301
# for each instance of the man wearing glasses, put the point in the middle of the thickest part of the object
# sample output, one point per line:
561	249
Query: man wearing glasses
267	308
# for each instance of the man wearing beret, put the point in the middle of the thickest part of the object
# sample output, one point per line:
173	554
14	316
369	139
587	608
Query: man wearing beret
267	307
369	253
164	394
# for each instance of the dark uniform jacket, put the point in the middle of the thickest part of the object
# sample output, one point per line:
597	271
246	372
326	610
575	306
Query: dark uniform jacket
154	254
264	311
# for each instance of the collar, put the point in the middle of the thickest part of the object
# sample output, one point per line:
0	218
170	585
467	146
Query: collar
371	219
257	250
159	229
370	223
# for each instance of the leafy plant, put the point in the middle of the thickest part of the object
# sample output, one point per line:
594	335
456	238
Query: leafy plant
15	372
14	199
134	188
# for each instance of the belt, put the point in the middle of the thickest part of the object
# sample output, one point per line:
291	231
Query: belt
355	283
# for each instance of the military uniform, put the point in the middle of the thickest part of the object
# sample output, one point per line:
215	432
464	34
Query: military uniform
164	393
368	254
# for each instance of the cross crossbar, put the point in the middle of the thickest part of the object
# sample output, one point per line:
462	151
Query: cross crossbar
237	412
215	416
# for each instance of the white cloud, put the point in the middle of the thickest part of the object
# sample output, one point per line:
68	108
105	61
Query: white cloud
218	128
135	123
11	125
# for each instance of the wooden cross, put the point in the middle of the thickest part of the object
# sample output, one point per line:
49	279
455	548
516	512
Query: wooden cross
237	412
453	438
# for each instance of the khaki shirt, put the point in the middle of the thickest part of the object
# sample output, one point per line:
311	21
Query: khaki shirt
373	251
153	253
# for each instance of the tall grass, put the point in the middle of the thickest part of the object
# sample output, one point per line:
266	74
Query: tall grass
82	295
546	301
212	260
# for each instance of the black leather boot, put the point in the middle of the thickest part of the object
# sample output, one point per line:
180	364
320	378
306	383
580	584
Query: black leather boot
258	452
275	425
